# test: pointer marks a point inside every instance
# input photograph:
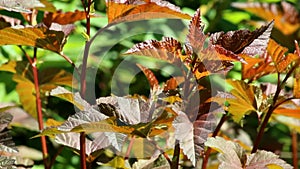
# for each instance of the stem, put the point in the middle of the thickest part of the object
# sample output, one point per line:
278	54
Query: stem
175	159
39	107
215	133
295	148
59	150
272	107
83	83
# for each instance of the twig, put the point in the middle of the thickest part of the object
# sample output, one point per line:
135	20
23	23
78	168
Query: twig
295	148
127	154
39	107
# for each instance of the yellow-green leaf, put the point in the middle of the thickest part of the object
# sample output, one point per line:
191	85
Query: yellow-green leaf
244	101
40	37
26	91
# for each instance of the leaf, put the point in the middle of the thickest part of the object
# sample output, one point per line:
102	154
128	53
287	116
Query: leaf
64	94
48	6
289	108
64	18
233	156
106	125
168	49
202	60
143	148
140	10
203	126
129	110
150	76
184	132
51	78
20	5
286	20
26	91
40	37
264	159
244	41
278	56
244	101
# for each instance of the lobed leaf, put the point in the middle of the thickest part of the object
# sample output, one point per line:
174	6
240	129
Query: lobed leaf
244	100
141	10
233	156
168	49
244	41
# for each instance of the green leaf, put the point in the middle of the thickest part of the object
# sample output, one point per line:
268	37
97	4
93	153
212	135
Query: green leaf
142	148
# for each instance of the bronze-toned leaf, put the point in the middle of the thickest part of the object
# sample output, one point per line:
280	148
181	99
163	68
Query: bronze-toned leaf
205	59
141	10
296	88
150	76
168	49
64	18
286	19
244	41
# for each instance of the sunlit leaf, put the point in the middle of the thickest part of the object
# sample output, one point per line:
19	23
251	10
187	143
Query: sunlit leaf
286	20
290	109
232	153
20	5
40	37
48	6
117	162
280	59
106	125
265	159
141	10
244	101
168	49
234	157
184	133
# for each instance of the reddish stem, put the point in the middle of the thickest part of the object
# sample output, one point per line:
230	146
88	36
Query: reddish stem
295	148
39	107
129	147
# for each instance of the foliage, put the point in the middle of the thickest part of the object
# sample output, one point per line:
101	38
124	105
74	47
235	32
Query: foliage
248	79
